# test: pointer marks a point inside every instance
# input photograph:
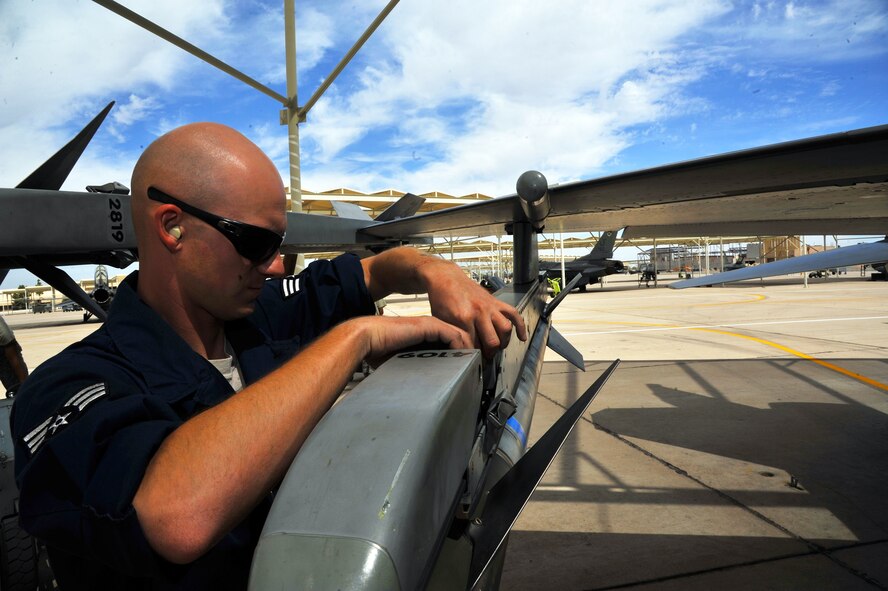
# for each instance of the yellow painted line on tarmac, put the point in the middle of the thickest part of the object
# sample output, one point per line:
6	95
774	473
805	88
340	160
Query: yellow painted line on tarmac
826	364
757	298
562	322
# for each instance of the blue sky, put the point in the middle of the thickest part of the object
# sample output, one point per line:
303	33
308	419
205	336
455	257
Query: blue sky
456	96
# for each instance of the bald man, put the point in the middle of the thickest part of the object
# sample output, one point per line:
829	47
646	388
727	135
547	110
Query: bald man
145	454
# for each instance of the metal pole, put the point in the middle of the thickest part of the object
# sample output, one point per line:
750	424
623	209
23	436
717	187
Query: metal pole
563	274
699	258
804	252
293	264
656	263
292	109
721	254
761	258
192	49
707	256
525	266
348	56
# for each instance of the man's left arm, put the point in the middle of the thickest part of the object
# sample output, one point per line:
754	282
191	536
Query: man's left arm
453	297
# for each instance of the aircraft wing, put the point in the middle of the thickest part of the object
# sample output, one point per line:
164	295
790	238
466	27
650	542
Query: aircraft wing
860	254
831	184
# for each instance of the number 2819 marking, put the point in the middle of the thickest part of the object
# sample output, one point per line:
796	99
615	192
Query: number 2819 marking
116	217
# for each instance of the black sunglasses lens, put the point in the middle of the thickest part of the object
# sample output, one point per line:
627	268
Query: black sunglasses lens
256	244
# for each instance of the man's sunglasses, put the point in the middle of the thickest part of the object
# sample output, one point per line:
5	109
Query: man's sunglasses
251	242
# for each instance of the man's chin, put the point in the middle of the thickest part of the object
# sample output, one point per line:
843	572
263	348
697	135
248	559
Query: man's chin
241	311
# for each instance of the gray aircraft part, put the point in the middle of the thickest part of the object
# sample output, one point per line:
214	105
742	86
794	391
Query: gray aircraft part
366	502
858	254
826	178
779	227
513	490
383	492
98	223
93	222
560	345
404	207
350	211
52	173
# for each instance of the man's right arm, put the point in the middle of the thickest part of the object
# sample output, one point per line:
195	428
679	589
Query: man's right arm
211	471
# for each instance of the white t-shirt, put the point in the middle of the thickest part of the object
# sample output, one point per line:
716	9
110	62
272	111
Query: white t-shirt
227	366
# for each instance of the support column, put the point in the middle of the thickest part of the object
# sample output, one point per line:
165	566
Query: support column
656	264
526	257
293	263
804	252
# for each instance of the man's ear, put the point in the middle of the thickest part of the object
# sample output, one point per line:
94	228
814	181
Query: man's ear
168	227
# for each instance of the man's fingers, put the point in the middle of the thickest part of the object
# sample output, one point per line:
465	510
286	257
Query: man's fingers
503	327
443	332
488	339
516	319
461	339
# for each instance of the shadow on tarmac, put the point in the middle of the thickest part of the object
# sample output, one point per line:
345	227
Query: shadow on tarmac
782	443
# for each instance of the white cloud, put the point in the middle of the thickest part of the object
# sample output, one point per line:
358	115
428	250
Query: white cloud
518	85
62	59
458	96
809	31
135	110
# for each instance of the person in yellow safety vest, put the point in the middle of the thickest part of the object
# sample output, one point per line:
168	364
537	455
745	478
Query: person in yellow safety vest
555	284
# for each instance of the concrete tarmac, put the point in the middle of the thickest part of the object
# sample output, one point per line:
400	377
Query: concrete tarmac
741	444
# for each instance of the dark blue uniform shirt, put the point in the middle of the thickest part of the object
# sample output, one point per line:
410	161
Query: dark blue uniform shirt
87	422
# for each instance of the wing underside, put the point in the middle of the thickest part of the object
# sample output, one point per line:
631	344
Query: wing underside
824	184
860	254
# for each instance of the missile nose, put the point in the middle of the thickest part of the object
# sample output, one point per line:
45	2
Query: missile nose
532	186
533	189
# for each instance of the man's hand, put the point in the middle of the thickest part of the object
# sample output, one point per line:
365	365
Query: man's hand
384	335
454	298
460	301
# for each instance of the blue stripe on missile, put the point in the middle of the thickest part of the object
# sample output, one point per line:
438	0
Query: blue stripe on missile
516	428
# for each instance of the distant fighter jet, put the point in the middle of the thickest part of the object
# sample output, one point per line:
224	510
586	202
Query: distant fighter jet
592	266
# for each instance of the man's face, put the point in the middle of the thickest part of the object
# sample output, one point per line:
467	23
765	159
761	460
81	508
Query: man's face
216	277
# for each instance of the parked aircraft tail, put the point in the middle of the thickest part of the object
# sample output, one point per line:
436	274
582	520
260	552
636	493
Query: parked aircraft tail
604	248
